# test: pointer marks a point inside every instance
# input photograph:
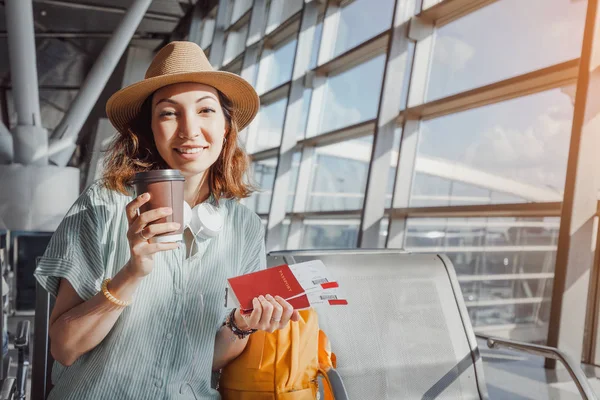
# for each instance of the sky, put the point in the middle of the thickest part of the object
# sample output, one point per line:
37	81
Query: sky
525	139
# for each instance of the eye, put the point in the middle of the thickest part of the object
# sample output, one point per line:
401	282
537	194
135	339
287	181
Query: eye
167	113
206	110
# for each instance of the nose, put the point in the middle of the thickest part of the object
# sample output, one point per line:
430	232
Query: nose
189	126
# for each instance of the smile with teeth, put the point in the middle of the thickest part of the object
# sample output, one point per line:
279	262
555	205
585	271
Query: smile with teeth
189	150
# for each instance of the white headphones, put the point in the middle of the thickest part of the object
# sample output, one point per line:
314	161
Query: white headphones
204	220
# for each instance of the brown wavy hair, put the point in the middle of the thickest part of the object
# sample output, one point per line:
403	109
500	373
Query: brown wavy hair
135	151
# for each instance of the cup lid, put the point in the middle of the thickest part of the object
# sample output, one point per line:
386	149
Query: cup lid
159	175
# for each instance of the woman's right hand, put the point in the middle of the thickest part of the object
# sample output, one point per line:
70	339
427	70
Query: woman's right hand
139	232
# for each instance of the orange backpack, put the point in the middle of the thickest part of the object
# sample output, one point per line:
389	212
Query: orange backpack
283	365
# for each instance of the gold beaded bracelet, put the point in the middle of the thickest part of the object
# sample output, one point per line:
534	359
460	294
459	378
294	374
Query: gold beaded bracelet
112	298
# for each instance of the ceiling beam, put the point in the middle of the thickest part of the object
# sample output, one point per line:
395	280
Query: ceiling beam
46	87
91	35
108	9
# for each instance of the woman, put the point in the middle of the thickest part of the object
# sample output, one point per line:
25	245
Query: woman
135	319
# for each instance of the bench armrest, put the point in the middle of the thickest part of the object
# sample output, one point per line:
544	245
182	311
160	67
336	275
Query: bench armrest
572	367
337	385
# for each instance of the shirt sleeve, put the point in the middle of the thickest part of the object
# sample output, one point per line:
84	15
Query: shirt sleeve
75	251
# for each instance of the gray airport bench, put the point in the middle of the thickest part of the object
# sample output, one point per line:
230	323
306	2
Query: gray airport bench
405	333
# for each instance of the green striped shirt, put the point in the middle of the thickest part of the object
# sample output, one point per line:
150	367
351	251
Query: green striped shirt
162	346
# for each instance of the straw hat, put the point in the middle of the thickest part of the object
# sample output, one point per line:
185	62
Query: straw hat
179	62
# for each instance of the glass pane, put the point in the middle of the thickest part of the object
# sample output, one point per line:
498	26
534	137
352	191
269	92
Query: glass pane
268	126
493	320
235	44
264	178
505	267
510	152
285	231
234	68
53	104
276	66
330	234
239	8
340	175
360	21
280	11
208	28
352	96
477	49
293	181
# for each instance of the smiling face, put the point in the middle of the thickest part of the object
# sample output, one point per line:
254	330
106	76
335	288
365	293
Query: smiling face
188	125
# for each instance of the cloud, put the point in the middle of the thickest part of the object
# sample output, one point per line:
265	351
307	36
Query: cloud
536	155
452	53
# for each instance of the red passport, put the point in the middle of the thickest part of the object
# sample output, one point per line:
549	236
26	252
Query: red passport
276	281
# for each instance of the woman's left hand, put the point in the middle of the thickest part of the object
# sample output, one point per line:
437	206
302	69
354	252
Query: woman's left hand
269	314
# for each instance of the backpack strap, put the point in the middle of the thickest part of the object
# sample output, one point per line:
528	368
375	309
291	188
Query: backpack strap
327	388
326	362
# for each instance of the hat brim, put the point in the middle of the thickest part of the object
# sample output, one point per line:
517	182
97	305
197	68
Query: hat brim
124	105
